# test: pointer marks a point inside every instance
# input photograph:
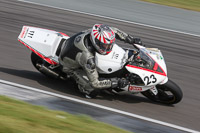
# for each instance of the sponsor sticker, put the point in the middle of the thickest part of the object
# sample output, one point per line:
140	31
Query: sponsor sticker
23	32
102	83
134	88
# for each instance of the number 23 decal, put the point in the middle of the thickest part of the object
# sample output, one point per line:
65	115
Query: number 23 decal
151	79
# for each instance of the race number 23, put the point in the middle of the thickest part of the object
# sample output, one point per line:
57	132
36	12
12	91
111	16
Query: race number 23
150	79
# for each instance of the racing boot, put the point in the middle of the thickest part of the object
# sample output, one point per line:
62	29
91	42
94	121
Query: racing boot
83	84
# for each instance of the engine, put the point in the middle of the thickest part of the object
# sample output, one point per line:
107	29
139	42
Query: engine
134	79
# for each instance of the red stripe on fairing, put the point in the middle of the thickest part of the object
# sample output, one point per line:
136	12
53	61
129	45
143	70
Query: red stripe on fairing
108	52
63	34
39	54
23	32
164	74
157	64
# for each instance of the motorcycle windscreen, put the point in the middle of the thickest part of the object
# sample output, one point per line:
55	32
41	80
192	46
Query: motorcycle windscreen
145	61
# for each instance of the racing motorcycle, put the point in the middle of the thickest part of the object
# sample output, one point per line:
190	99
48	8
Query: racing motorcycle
143	68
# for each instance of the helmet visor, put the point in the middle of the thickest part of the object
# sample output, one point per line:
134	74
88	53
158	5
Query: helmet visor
104	47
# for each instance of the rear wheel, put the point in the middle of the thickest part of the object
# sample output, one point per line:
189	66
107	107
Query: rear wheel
35	59
168	93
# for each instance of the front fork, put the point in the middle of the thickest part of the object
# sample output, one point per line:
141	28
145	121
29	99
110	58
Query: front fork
154	90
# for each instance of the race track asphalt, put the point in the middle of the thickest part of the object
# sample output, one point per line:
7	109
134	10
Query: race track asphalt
134	11
181	54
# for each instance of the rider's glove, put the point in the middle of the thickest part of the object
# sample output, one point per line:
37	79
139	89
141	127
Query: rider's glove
129	39
138	41
114	82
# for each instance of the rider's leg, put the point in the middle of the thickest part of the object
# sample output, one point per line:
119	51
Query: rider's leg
82	81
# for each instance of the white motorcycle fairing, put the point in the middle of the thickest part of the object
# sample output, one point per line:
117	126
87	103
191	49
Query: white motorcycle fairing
154	76
42	42
117	58
111	62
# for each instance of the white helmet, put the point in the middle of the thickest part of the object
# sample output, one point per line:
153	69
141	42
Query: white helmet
103	38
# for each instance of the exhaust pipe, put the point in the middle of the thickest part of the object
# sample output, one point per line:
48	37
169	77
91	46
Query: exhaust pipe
47	71
42	68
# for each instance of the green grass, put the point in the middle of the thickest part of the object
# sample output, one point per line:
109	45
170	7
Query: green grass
20	117
185	4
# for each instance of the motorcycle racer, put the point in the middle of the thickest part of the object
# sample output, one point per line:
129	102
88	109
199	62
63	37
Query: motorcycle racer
97	63
78	52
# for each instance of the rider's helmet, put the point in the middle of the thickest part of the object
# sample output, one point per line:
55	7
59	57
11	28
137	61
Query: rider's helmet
102	38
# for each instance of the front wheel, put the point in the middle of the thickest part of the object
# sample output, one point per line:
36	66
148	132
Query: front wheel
168	93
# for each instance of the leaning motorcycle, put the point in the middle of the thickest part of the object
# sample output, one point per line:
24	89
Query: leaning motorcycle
143	68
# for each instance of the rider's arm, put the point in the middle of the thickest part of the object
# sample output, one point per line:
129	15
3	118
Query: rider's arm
87	62
125	37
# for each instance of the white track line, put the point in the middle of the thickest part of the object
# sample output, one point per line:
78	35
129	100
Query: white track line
126	21
100	106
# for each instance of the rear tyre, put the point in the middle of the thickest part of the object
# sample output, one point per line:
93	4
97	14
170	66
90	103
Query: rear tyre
35	59
168	93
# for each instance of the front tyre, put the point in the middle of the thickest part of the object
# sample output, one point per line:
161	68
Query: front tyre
168	93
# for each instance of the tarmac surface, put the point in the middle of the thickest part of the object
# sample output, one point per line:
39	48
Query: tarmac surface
135	11
181	54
